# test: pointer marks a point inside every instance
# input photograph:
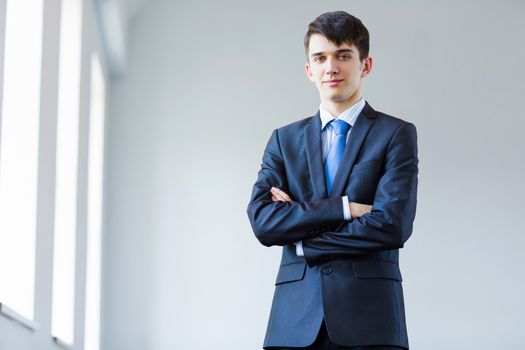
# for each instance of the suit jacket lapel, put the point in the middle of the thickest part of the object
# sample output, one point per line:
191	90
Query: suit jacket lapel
312	134
357	136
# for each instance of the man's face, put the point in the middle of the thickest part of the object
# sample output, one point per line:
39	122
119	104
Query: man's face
336	70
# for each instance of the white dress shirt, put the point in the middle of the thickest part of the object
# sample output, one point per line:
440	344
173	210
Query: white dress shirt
327	137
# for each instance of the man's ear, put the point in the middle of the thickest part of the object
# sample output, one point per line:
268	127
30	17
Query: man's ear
367	66
308	71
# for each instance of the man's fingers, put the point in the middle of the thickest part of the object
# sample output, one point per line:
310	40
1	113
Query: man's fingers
275	199
281	195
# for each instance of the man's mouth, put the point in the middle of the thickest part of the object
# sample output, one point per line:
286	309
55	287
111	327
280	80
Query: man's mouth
333	82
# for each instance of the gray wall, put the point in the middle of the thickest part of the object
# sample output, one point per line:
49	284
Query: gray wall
207	83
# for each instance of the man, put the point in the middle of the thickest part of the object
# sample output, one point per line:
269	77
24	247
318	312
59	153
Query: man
338	192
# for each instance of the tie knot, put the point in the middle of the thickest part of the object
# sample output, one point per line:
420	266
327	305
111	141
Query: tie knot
340	126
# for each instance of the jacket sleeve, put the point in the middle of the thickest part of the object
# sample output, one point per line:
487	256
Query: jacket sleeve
282	223
389	225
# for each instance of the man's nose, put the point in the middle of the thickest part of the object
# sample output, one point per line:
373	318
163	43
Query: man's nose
331	66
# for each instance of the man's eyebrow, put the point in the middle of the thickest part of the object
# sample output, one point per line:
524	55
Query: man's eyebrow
337	51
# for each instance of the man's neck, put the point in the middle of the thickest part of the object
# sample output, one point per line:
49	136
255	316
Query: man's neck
336	108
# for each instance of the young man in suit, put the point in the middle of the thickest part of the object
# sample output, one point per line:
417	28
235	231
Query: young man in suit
338	192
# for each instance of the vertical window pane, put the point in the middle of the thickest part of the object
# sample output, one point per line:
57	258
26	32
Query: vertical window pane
66	171
94	217
19	153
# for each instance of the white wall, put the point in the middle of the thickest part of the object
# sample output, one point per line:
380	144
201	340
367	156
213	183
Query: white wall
206	84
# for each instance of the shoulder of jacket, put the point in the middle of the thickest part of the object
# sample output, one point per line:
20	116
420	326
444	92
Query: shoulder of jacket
296	125
390	120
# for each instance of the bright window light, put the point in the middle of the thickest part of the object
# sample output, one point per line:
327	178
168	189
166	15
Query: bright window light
62	325
95	200
19	153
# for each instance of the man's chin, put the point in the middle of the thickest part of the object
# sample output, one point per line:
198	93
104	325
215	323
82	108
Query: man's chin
335	98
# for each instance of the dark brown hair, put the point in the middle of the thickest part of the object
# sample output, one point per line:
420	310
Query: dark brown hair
340	27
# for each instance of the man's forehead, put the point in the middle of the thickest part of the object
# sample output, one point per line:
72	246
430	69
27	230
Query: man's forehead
319	44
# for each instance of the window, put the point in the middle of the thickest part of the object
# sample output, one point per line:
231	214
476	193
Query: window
19	153
62	325
94	207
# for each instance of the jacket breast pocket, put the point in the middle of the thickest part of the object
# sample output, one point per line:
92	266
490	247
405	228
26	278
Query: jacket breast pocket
291	273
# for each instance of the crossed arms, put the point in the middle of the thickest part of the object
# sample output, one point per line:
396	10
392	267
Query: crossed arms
278	220
356	209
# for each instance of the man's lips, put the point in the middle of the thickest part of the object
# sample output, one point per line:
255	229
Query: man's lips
333	82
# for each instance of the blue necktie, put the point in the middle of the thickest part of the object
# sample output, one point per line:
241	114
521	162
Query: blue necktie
335	154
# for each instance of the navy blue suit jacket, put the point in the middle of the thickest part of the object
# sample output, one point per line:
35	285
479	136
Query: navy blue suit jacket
350	273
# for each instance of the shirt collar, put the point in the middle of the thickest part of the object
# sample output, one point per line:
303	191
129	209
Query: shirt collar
349	115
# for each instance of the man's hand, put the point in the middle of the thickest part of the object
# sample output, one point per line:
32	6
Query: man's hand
279	195
356	209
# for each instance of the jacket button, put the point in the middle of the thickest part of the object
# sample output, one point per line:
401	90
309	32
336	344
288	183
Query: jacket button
327	270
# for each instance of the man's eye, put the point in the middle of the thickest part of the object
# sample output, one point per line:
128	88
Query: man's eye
318	59
345	57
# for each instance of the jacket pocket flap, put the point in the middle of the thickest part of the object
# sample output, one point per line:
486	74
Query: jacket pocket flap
377	269
289	273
